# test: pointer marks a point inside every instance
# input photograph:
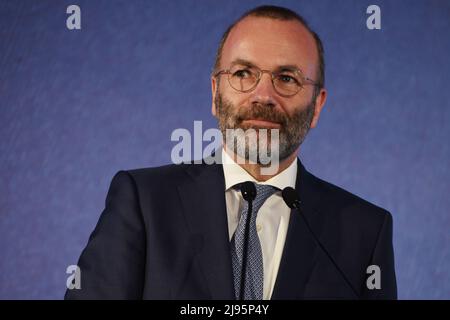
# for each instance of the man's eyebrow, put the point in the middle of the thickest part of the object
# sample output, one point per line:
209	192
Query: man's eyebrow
287	67
242	62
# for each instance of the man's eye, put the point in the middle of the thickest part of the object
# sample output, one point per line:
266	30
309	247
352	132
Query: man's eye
287	79
242	73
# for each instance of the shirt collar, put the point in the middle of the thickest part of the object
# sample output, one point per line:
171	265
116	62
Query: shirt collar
235	174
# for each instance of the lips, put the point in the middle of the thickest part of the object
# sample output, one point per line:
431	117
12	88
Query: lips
263	123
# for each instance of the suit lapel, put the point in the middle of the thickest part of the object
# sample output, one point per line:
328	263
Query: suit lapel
203	200
300	250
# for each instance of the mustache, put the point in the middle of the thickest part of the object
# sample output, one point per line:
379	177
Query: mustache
259	111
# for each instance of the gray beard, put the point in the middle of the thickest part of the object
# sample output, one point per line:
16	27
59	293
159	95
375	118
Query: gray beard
292	132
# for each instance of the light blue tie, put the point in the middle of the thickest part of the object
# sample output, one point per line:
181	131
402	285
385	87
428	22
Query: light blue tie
254	279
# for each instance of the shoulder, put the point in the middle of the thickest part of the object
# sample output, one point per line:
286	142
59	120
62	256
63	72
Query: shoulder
166	178
348	206
152	177
171	171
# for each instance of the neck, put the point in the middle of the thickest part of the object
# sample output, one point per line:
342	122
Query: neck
254	169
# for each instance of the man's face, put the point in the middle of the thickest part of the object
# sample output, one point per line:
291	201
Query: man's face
269	44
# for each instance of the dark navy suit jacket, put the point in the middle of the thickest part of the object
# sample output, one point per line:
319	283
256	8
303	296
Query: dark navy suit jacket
164	235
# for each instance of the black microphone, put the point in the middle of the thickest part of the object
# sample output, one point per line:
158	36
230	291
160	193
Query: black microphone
292	200
248	191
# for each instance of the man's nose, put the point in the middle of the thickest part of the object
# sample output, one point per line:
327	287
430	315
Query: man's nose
264	92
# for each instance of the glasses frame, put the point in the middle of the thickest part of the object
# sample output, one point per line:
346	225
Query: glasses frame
305	80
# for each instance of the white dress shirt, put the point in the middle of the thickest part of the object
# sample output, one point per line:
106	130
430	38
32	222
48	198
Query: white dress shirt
273	217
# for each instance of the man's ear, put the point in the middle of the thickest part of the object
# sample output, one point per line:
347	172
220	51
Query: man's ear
214	85
319	103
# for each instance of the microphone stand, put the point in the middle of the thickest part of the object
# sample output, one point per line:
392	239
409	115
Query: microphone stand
248	191
291	198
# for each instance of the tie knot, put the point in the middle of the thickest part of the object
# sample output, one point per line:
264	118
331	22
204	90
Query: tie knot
263	192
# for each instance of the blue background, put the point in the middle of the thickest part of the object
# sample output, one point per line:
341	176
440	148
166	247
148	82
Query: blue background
77	106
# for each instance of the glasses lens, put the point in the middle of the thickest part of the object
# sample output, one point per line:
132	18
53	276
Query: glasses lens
287	82
243	78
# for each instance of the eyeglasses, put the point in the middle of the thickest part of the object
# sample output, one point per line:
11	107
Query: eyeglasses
286	82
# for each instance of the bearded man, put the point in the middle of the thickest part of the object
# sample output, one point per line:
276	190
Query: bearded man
232	230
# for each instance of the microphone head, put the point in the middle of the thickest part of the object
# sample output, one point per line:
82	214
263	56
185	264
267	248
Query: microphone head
291	198
248	190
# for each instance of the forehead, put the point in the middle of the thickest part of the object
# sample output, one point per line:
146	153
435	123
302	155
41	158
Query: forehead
270	43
